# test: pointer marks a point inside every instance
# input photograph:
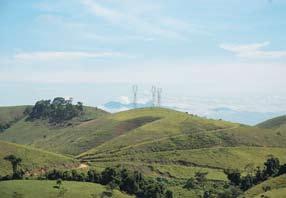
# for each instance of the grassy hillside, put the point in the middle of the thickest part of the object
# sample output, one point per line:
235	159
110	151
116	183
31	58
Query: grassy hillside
140	130
179	131
44	135
45	189
159	142
214	158
276	193
32	158
274	123
277	188
10	115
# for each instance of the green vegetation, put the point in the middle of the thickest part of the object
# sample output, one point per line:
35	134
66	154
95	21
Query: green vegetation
131	182
46	189
274	123
166	146
33	160
10	115
276	193
275	183
71	138
216	158
56	111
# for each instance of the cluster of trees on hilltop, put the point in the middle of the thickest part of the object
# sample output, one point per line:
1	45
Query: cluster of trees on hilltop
56	111
131	182
272	168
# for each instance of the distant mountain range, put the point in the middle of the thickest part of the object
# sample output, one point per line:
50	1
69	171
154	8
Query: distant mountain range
244	117
114	106
225	113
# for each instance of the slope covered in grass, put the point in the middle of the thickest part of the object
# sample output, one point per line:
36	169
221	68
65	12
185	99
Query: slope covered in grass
32	158
274	123
45	189
180	131
139	130
39	132
277	187
214	158
10	115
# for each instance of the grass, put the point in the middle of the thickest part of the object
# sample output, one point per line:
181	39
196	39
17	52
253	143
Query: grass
276	193
273	123
45	189
158	142
66	140
277	185
215	158
169	171
32	159
139	130
180	131
11	114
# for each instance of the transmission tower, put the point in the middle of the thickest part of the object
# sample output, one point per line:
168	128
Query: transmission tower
159	96
134	90
153	92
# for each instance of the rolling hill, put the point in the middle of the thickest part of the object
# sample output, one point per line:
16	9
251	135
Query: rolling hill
276	185
180	131
39	132
140	130
46	189
159	142
10	115
32	159
275	123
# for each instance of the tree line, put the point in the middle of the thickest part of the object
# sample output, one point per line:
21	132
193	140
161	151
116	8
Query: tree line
56	111
131	182
272	168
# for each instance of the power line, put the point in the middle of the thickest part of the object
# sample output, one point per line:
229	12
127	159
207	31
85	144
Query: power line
153	92
159	96
135	90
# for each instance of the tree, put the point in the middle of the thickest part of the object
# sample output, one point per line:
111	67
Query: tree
233	176
15	162
272	166
59	183
56	111
190	184
201	178
247	182
282	169
169	194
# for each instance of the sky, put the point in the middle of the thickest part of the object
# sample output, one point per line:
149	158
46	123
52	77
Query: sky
226	52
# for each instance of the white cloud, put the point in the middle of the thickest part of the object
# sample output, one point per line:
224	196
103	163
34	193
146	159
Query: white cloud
154	24
62	55
253	50
124	99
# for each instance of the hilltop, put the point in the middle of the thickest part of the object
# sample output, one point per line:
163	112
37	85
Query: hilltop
28	132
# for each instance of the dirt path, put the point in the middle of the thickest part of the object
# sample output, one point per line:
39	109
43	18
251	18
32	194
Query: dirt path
83	166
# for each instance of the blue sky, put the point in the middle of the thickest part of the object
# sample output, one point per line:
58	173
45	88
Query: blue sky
94	50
